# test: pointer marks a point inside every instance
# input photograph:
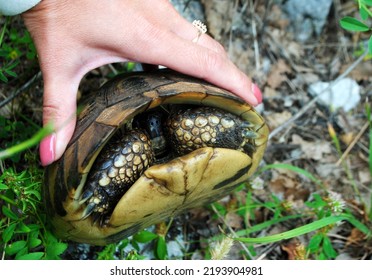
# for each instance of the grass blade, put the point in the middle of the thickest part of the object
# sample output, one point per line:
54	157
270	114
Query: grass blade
306	229
34	140
293	168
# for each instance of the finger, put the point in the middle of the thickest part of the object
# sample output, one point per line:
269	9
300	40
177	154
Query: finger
193	59
174	21
59	108
189	32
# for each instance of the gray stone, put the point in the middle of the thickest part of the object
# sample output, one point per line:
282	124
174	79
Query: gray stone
189	9
307	17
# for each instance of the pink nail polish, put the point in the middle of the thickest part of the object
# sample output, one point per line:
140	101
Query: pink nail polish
47	149
257	93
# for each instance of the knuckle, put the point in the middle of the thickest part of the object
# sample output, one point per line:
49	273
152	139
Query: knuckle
218	48
212	62
53	113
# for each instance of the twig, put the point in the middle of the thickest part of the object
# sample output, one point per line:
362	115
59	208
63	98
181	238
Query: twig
21	89
232	232
315	99
268	250
352	144
255	42
112	68
231	27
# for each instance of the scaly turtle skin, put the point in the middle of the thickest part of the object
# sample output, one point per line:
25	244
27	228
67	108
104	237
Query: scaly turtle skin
147	147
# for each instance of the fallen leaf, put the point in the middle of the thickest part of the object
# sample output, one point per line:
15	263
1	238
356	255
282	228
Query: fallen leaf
355	237
277	74
276	119
270	93
233	220
364	176
295	250
363	71
312	150
347	138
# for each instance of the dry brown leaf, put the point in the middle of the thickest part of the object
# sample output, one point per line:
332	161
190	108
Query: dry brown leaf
280	184
276	119
277	74
275	17
363	71
355	237
295	250
364	176
347	137
270	93
312	150
294	49
234	220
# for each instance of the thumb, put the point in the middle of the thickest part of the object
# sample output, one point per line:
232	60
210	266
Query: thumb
59	109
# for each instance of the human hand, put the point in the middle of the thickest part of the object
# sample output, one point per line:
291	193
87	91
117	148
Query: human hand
74	37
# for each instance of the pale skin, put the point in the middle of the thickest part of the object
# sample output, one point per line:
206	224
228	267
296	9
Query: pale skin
73	37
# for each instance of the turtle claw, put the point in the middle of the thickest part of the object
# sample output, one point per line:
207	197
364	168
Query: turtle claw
249	134
85	196
88	210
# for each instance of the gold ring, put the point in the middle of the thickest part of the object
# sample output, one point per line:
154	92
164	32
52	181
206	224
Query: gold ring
201	27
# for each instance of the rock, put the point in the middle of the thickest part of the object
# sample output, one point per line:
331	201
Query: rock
307	17
344	94
189	9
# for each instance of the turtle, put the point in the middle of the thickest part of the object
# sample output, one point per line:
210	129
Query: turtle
148	146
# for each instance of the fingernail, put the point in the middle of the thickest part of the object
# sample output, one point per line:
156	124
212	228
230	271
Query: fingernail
47	149
257	93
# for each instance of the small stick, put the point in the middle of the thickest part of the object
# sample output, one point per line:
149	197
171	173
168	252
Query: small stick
352	144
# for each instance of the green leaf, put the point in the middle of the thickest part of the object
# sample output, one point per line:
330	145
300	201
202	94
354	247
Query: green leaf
3	78
54	250
328	248
367	2
23	228
8	232
3	187
363	13
11	73
352	24
21	252
315	241
161	248
12	65
15	247
370	45
35	193
9	213
31	256
34	242
145	236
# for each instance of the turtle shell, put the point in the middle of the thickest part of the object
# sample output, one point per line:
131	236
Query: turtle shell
164	190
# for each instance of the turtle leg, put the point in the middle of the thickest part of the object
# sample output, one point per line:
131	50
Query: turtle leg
117	167
197	127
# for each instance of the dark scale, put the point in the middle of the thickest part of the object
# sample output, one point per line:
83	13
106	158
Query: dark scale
199	127
118	166
154	137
